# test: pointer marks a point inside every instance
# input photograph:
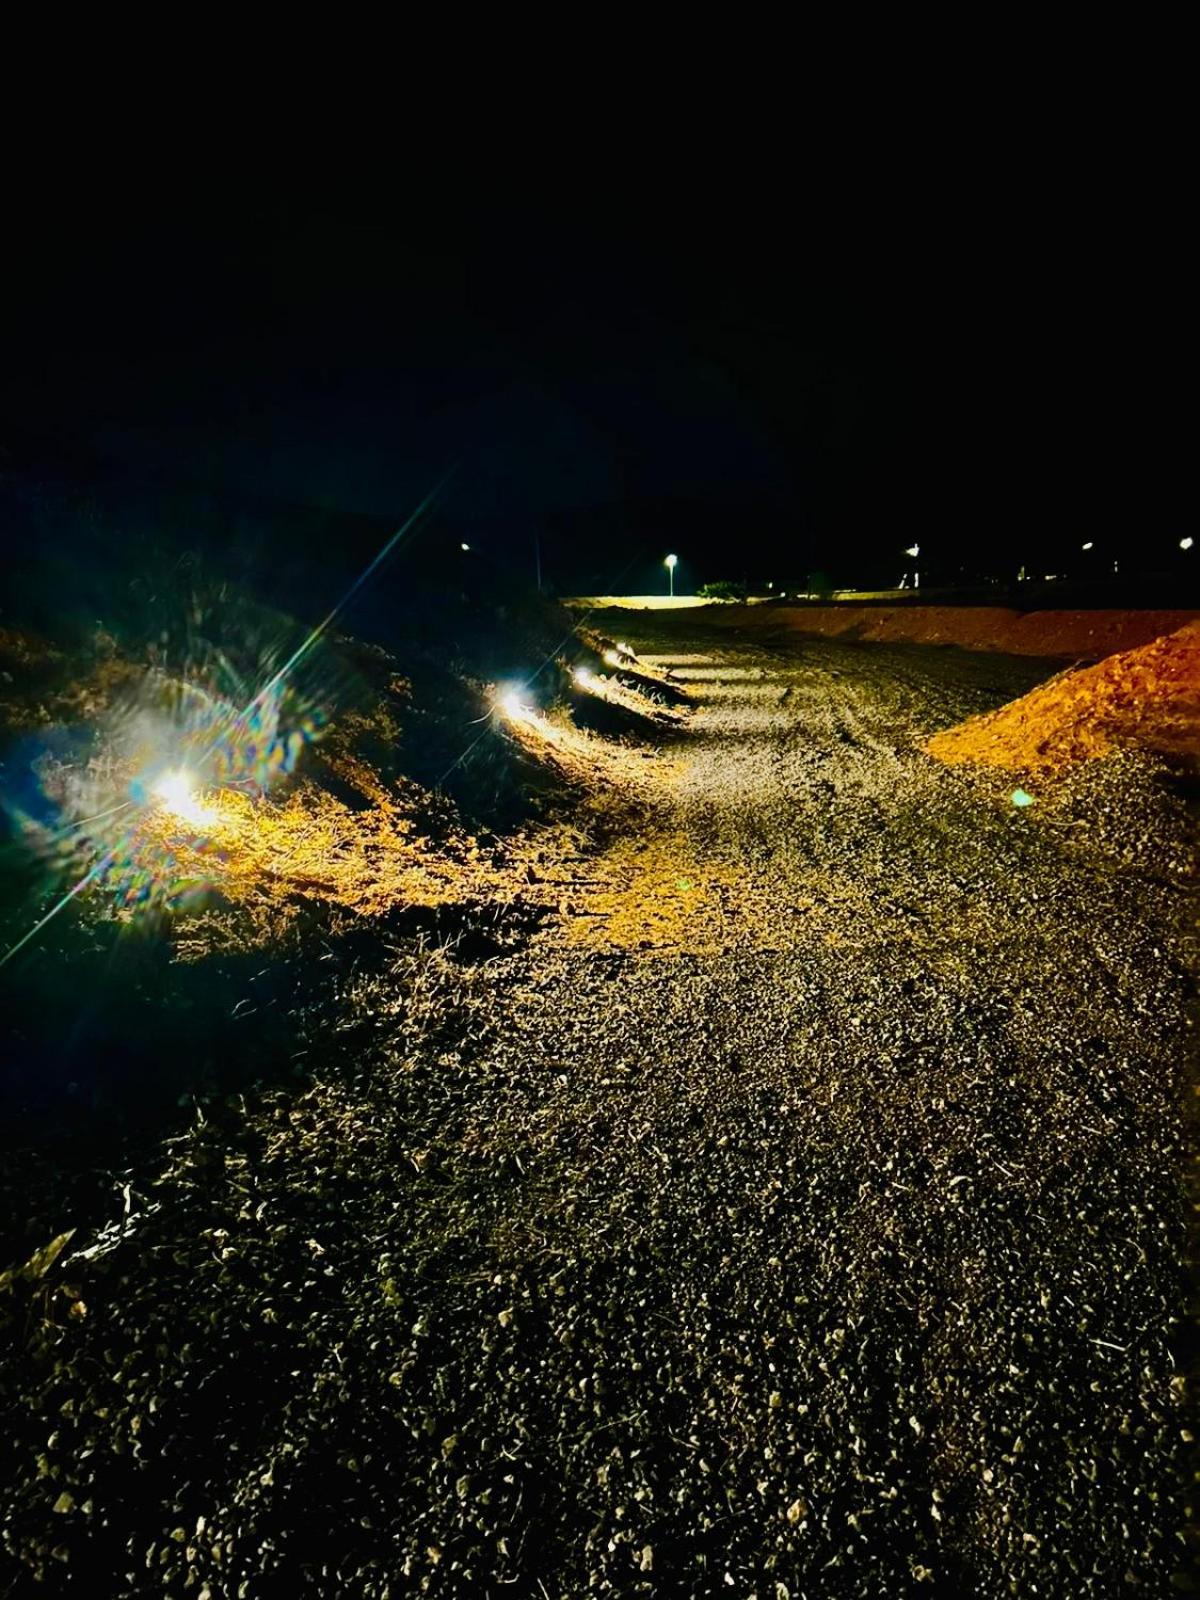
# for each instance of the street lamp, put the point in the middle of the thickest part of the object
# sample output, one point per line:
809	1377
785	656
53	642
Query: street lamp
671	563
1086	546
1186	544
464	545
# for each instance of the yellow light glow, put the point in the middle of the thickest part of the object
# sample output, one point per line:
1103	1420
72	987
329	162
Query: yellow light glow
526	720
176	793
612	658
584	678
510	704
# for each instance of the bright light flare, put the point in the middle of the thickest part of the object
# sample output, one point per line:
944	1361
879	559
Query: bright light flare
176	793
584	678
511	703
528	721
1186	544
913	550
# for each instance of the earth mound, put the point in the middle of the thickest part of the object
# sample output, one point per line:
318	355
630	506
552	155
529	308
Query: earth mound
1146	699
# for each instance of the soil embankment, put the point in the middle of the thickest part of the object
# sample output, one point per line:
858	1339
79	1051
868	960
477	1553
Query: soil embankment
1079	635
1146	699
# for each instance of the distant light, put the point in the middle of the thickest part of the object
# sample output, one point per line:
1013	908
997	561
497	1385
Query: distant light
672	562
464	545
913	550
1086	546
1020	798
176	793
1186	544
584	678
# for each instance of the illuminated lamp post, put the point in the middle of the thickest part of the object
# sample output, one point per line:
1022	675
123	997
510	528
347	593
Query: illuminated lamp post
671	563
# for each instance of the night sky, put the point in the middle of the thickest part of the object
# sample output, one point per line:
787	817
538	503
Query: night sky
768	366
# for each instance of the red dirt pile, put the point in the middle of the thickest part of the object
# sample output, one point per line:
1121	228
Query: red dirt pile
1147	698
1075	634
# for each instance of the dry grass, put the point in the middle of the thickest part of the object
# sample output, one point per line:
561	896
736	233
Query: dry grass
264	859
265	866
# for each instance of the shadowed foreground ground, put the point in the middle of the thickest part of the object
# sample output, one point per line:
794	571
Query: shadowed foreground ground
799	1215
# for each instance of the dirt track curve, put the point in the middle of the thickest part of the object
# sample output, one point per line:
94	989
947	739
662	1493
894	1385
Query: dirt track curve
800	1216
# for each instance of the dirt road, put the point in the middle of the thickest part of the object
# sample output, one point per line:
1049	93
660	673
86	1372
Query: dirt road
800	1214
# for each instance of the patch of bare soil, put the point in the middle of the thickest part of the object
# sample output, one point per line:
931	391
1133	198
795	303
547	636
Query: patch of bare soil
1078	634
1144	699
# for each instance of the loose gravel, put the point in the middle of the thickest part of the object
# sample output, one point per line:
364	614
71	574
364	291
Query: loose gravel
837	1252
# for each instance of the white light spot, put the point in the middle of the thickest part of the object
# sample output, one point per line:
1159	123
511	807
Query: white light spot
177	794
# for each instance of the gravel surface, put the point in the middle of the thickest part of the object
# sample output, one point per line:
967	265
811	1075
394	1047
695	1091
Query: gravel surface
824	1238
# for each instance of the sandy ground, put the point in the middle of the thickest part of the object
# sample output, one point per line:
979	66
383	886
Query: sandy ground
799	1213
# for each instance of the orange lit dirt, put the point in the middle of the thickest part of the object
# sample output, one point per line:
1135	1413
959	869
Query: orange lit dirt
1074	634
1147	699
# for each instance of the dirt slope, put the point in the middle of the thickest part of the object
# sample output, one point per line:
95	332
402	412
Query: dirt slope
1144	699
1083	635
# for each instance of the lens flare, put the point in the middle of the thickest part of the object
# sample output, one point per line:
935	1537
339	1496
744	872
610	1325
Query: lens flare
510	705
176	793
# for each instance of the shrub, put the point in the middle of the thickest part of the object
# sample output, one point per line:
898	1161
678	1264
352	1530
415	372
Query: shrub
722	589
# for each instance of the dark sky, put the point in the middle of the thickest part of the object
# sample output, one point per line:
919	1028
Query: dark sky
768	363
